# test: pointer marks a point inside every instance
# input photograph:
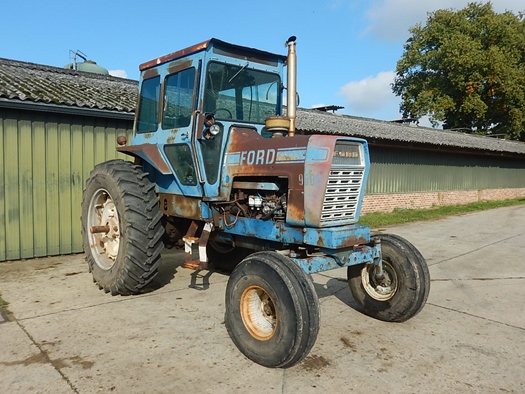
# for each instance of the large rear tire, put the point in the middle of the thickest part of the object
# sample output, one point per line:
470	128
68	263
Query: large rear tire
403	291
121	227
272	310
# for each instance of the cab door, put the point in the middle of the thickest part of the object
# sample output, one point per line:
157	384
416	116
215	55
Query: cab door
174	136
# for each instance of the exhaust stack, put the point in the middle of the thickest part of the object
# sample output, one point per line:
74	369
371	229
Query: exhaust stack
292	85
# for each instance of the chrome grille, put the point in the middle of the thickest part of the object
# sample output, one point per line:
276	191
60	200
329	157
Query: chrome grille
342	194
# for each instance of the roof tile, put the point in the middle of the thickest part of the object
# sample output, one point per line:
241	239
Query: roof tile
47	84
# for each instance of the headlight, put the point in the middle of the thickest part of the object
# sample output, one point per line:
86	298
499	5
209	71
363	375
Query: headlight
214	129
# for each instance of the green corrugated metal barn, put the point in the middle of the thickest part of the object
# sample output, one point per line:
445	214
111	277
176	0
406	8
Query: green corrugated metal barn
56	124
398	170
408	159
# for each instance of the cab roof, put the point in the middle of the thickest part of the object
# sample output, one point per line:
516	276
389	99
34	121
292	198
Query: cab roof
247	53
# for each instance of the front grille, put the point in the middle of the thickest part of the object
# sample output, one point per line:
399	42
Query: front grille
342	195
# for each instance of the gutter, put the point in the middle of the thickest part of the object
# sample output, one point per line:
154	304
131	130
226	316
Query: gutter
65	109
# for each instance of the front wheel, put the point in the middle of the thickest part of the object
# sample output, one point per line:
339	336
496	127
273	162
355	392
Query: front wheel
403	290
272	310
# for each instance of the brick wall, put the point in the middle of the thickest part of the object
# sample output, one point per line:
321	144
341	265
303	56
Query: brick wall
389	202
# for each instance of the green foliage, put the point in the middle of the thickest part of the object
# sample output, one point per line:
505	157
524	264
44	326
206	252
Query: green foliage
466	69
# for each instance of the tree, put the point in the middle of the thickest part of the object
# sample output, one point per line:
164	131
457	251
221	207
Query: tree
466	69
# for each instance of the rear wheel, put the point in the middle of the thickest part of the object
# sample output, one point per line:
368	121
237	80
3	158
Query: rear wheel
403	290
272	310
121	227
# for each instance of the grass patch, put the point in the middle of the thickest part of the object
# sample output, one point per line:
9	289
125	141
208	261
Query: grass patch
3	307
399	216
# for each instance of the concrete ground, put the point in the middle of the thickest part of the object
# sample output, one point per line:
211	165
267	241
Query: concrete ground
66	336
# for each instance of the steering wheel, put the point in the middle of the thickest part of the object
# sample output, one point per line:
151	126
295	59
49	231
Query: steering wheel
225	110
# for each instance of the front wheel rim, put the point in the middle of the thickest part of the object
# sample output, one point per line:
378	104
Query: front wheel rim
258	313
380	289
103	229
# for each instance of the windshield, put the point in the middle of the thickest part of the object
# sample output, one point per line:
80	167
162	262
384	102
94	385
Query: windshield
240	93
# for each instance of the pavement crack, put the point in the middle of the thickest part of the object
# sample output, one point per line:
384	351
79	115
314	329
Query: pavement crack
475	250
477	316
48	359
102	303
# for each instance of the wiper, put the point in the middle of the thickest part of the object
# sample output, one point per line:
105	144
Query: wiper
238	72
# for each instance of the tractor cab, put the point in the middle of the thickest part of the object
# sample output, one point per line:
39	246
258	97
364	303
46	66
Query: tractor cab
190	100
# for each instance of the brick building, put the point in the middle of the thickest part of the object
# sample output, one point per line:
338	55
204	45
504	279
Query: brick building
417	167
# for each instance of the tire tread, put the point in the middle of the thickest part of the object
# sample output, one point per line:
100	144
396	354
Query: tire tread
141	238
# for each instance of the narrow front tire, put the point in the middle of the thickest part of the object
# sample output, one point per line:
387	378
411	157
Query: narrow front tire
403	290
272	310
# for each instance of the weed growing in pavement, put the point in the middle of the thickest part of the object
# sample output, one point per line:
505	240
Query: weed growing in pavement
3	306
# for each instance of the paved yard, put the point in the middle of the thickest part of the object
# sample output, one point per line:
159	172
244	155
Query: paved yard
66	336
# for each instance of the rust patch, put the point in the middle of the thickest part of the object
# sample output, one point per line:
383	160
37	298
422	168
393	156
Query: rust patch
258	156
315	363
296	206
179	65
175	55
150	73
182	206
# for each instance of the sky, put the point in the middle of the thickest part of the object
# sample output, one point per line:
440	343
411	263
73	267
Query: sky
347	50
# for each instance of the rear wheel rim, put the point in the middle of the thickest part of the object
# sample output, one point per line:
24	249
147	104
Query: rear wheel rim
104	244
380	289
258	313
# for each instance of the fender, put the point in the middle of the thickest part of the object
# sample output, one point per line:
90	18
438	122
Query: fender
149	153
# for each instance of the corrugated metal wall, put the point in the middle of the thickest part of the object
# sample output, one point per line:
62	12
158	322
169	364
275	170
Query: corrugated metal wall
46	159
395	170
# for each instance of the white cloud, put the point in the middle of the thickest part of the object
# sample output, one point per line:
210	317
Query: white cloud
391	19
118	73
371	96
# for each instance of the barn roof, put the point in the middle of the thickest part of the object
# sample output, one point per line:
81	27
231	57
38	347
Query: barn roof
377	131
47	86
36	83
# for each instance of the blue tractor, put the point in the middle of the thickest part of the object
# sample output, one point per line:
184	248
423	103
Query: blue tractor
217	166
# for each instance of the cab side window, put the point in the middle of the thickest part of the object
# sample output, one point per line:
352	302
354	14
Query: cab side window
178	99
148	105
